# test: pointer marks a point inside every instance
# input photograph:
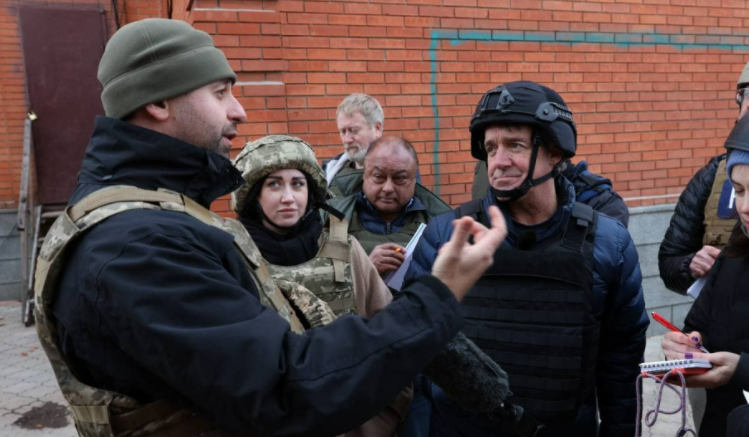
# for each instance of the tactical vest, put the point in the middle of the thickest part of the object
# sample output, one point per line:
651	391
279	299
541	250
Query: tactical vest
717	229
102	413
369	240
531	313
347	181
328	274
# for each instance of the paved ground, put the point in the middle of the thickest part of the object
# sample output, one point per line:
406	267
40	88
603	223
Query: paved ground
27	384
26	380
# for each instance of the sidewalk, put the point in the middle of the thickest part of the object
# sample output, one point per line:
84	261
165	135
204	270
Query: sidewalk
31	404
30	400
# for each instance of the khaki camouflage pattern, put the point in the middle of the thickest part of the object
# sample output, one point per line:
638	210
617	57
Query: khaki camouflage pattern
319	274
272	153
717	230
314	311
102	413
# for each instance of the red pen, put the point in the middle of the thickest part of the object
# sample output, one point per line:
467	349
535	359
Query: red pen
660	319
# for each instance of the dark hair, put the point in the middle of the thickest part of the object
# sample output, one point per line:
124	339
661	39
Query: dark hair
252	207
738	243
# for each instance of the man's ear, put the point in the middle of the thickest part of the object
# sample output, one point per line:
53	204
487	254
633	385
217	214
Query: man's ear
159	110
555	156
378	129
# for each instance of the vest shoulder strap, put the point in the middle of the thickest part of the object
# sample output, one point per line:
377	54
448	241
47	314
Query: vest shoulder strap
578	226
337	247
471	208
116	199
717	230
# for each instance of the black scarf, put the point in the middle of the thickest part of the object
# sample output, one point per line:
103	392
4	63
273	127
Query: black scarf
297	247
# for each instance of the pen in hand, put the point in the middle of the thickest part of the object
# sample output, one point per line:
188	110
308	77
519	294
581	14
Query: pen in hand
660	319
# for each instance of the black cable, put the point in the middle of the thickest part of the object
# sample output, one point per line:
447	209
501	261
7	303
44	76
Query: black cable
116	15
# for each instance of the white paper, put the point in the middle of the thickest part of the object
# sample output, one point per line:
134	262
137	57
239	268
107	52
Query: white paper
746	396
394	279
697	287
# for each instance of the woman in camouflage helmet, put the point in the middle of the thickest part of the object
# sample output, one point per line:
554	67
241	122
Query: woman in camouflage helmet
279	207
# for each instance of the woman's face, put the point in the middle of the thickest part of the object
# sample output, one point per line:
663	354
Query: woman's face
283	198
740	180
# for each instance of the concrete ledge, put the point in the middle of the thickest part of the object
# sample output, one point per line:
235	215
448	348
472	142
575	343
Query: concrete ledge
650	209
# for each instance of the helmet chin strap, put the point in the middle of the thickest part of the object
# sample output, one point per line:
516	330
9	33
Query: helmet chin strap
529	182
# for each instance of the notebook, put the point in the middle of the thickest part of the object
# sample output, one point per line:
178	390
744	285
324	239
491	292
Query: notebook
688	367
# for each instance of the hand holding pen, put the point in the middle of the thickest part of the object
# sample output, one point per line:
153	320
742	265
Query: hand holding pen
678	342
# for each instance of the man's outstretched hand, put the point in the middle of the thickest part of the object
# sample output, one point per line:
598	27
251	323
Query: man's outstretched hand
460	263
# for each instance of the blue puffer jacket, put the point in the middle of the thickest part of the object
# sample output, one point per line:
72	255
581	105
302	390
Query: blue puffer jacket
617	302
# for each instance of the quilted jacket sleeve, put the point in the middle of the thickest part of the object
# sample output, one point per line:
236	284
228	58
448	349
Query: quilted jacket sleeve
623	327
437	233
684	235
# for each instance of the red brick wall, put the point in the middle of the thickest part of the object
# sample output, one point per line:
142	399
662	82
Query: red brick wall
651	85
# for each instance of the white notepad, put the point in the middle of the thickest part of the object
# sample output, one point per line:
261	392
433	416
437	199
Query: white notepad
665	366
394	279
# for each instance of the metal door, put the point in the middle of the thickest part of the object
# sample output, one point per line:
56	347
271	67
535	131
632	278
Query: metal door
61	48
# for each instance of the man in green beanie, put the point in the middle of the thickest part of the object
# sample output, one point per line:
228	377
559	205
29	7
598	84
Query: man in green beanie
159	316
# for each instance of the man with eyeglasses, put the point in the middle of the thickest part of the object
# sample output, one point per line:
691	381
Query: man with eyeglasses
702	222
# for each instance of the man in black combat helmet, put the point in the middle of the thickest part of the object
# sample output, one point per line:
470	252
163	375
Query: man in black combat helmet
561	309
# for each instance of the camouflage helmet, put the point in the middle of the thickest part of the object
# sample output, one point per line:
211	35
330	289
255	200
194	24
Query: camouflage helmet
262	157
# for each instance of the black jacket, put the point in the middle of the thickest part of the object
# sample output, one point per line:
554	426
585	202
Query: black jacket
157	305
685	233
721	315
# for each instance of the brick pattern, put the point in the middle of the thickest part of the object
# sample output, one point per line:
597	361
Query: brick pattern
651	82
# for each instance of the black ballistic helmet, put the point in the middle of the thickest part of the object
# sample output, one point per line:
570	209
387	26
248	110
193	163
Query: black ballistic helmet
739	136
527	103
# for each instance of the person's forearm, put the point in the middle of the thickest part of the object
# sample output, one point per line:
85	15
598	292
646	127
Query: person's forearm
675	273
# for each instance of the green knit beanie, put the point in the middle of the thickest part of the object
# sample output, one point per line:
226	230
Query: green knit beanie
154	60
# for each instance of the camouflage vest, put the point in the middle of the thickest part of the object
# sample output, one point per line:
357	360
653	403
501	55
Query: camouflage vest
369	240
328	274
102	413
717	230
347	181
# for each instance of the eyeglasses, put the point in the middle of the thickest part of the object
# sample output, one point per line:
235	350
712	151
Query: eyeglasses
740	94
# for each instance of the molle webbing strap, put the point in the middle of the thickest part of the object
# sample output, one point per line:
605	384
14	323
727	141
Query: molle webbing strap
577	227
91	413
717	230
184	423
515	315
337	248
471	208
142	416
342	304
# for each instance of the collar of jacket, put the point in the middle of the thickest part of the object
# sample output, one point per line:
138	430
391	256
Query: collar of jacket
372	221
120	153
566	200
